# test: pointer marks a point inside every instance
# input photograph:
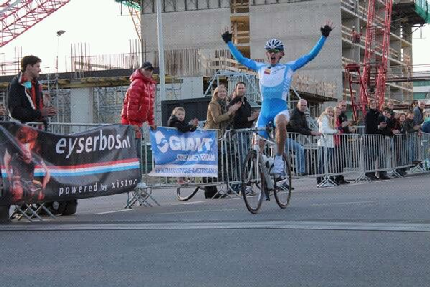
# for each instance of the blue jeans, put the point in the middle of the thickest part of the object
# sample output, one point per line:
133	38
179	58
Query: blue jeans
293	146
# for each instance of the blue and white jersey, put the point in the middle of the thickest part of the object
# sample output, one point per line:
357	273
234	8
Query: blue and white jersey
275	80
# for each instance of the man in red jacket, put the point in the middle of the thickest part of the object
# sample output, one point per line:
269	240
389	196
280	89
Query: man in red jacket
138	104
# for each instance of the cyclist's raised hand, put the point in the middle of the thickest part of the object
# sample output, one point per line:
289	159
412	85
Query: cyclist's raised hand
327	28
227	36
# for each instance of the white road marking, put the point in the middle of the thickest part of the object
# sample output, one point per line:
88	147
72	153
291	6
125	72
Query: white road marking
346	203
113	211
296	225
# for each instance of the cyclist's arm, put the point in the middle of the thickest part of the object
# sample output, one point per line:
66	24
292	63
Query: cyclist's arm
241	59
300	62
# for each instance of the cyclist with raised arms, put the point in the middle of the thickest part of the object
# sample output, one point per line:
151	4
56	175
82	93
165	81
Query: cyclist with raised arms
275	80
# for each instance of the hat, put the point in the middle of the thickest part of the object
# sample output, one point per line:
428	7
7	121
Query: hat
147	65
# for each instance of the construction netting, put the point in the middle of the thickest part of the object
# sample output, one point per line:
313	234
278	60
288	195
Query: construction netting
130	3
422	8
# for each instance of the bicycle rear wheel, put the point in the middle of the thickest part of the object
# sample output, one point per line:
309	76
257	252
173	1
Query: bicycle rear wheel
283	187
184	192
252	182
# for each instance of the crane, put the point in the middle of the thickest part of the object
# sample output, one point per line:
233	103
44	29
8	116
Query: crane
373	77
18	16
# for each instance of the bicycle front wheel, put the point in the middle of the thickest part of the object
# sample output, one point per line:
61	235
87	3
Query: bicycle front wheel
283	187
252	182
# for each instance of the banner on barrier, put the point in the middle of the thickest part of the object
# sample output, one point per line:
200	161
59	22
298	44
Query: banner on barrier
184	154
40	166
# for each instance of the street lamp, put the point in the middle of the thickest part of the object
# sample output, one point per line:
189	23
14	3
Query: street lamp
59	33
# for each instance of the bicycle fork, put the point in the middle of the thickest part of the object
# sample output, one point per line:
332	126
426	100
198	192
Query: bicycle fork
265	164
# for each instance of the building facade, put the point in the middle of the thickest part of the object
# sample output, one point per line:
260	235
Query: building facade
198	25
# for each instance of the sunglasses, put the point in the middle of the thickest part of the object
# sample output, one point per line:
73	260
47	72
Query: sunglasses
274	51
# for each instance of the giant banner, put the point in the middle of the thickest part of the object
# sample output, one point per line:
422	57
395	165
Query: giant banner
184	154
39	166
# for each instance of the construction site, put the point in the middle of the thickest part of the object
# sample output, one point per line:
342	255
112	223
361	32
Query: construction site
368	54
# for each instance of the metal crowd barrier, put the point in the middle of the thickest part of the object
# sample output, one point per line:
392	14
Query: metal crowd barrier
322	157
329	156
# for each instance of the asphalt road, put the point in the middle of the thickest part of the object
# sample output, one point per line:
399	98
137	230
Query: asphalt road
366	234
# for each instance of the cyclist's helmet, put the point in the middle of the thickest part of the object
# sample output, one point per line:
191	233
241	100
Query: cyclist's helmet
274	44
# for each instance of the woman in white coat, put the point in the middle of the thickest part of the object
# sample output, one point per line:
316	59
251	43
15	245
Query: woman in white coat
326	123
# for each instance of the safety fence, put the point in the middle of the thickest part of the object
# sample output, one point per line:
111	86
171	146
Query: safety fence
326	157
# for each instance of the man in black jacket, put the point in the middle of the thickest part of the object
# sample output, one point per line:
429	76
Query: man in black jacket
25	99
299	125
298	122
345	128
244	117
375	124
25	103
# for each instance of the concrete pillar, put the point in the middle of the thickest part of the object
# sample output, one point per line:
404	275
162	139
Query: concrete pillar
81	105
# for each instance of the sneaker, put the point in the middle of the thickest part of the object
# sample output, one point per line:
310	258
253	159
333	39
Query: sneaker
278	166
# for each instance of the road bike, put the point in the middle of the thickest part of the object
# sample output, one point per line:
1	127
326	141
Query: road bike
257	179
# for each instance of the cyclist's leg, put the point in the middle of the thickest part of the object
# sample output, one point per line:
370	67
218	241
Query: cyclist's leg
262	122
281	121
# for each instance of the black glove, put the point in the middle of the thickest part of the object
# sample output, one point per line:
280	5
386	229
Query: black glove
227	36
325	31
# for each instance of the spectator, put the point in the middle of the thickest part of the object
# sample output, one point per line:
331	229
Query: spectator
425	127
326	142
374	123
419	113
412	131
344	126
299	125
390	106
244	118
392	125
386	124
409	124
25	99
177	120
218	115
3	113
25	104
400	142
138	106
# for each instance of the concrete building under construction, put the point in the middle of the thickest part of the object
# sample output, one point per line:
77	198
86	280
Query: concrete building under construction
197	25
196	57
